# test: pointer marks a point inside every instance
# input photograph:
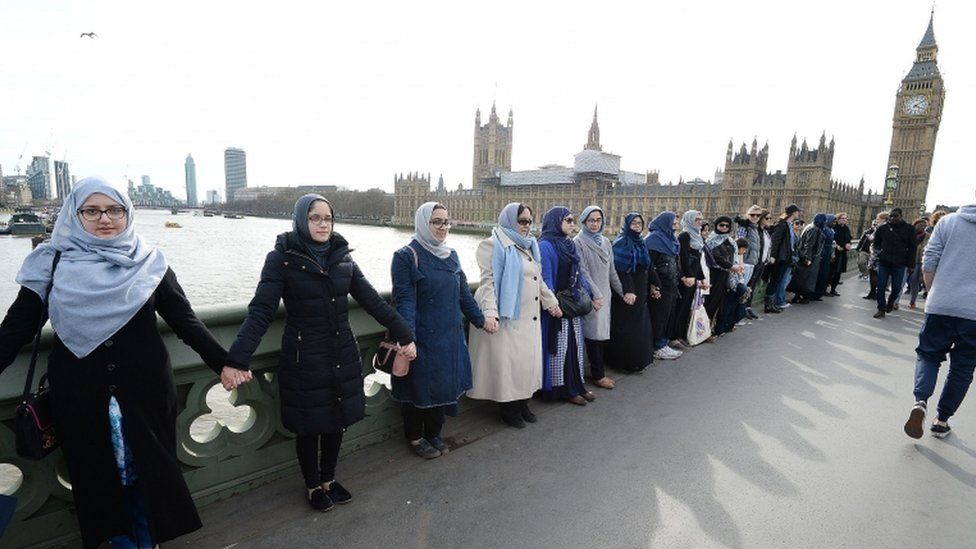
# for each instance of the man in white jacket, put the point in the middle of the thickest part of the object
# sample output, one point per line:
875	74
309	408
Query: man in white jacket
949	269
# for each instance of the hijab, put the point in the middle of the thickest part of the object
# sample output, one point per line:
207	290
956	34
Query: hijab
424	236
593	240
100	283
717	238
506	263
660	237
688	226
299	221
629	253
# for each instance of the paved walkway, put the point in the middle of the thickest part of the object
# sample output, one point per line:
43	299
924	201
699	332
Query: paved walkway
785	433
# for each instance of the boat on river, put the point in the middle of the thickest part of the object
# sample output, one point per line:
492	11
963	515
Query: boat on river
233	216
25	224
173	225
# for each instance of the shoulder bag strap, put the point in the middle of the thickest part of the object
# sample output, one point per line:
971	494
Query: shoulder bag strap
28	384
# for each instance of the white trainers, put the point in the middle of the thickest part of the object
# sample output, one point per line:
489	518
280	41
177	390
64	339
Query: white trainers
666	353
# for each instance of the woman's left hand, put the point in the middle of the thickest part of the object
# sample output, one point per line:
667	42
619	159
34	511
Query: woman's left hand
409	351
597	304
232	378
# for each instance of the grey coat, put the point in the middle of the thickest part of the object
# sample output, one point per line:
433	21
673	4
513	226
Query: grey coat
603	277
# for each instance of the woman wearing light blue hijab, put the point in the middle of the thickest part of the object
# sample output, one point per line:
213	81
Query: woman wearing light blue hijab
507	364
109	373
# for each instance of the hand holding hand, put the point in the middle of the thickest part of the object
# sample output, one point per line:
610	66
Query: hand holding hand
491	325
555	311
408	351
597	304
737	269
688	281
655	294
704	285
630	298
232	378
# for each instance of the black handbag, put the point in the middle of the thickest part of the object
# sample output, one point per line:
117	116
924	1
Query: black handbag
570	305
34	419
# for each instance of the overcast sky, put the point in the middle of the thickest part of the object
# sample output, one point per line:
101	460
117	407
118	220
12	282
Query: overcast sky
350	93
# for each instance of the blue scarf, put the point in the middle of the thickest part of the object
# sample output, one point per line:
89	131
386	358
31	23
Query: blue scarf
660	237
629	253
552	232
100	283
506	263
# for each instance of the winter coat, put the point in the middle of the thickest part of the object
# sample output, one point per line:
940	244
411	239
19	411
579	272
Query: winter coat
603	279
689	259
432	294
750	231
809	250
319	370
842	237
666	268
780	246
895	244
134	366
507	365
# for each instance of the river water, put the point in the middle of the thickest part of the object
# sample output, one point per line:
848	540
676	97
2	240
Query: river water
219	260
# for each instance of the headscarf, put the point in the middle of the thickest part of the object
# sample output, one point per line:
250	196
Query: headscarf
424	236
688	226
100	283
716	238
506	263
593	240
552	232
828	231
629	252
660	237
299	221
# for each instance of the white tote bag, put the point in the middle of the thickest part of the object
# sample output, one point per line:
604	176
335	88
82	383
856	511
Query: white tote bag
700	327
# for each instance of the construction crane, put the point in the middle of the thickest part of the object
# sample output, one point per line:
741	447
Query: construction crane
21	157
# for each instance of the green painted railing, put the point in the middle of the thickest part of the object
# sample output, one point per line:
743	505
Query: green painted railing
217	462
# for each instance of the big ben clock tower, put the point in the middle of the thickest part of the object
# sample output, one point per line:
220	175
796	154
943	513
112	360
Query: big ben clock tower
918	112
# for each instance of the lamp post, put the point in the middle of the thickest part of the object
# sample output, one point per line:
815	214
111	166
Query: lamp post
891	183
921	210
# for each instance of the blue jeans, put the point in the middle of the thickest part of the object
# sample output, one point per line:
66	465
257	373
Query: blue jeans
784	282
943	335
897	276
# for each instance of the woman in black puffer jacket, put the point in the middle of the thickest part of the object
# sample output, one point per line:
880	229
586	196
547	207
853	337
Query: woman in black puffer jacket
320	371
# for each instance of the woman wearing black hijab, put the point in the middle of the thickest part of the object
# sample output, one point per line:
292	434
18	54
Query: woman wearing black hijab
319	371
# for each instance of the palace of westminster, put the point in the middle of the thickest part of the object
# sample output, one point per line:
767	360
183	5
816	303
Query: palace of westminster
596	177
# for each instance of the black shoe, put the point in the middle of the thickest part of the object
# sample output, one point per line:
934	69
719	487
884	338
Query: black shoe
879	314
841	282
438	442
528	416
514	422
338	494
834	293
319	500
940	431
423	449
869	296
770	309
751	315
890	307
913	427
815	299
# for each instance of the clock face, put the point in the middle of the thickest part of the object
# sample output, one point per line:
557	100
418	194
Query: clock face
916	104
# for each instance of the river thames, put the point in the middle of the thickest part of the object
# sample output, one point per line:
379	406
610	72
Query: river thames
219	260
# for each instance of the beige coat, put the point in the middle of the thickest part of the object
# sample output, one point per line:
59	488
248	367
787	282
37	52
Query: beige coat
507	365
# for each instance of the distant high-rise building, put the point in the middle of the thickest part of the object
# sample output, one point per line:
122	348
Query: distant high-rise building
39	178
235	171
191	182
62	179
145	180
213	197
1	182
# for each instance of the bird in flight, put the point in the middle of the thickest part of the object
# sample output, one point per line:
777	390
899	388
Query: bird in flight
88	34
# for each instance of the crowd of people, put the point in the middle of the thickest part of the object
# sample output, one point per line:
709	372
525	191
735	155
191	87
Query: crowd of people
549	312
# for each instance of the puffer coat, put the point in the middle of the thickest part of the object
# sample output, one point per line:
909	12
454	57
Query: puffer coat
320	371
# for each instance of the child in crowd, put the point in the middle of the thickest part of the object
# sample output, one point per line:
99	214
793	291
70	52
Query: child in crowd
739	293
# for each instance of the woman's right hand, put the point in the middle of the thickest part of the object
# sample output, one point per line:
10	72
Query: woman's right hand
688	281
555	311
491	325
630	298
232	378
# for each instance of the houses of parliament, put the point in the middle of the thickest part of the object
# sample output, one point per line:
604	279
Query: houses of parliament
596	178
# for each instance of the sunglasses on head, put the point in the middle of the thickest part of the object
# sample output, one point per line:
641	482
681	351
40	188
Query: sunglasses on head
524	222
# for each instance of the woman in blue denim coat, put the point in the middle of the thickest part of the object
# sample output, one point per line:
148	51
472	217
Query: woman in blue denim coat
431	294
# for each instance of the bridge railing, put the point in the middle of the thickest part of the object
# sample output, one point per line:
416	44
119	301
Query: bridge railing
227	442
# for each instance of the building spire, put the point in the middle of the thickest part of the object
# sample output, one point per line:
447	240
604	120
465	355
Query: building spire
928	41
593	138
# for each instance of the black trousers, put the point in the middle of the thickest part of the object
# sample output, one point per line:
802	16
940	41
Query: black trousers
422	422
318	468
513	409
595	350
778	270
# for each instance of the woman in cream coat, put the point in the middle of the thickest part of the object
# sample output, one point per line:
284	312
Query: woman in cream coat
506	358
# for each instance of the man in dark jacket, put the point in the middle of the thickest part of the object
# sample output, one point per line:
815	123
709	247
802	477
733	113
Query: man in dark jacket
842	245
895	244
783	244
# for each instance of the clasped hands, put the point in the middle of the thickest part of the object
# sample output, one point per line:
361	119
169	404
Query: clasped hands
232	378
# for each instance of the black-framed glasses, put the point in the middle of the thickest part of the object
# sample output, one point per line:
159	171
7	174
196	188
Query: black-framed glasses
796	223
114	213
594	220
720	225
316	219
569	219
754	215
525	222
446	223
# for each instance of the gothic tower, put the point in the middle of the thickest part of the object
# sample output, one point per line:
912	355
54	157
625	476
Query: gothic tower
744	173
492	147
918	112
808	174
593	138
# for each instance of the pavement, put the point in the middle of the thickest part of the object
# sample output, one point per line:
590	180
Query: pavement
785	433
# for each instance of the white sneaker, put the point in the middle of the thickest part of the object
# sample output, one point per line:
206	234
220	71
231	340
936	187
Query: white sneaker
674	351
784	306
663	354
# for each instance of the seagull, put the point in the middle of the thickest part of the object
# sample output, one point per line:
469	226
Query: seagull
88	34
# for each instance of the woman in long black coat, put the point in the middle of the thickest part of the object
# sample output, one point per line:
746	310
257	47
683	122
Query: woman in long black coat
631	335
690	245
320	370
809	252
111	382
723	256
663	247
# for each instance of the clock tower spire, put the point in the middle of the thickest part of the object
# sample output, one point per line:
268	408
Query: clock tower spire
915	124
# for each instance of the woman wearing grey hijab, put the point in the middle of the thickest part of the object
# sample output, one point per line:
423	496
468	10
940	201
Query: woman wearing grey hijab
433	296
110	377
596	263
690	244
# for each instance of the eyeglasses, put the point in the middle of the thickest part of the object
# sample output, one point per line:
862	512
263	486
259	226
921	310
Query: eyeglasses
797	223
637	222
114	213
595	220
721	225
316	219
569	219
754	215
446	223
524	222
